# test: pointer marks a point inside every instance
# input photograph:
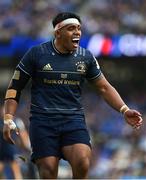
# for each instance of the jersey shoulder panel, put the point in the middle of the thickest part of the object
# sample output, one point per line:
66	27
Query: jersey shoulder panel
93	68
86	54
32	57
80	51
43	48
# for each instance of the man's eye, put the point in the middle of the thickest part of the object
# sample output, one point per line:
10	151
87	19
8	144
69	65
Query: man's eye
79	29
70	29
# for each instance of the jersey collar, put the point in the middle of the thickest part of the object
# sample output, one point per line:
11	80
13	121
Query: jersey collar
58	52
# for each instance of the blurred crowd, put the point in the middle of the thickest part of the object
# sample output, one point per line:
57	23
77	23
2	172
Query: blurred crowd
33	18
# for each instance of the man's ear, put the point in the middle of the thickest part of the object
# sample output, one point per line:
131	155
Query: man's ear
57	34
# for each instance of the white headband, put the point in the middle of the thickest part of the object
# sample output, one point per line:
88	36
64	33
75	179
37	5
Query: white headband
66	22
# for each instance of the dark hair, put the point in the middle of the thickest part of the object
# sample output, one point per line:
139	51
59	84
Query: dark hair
64	15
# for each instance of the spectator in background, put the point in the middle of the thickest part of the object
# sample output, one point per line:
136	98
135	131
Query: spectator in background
104	16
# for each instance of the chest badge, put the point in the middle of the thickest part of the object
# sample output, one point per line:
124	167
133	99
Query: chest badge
81	67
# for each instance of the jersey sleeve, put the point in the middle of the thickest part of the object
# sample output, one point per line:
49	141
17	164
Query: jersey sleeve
93	69
26	64
17	83
22	74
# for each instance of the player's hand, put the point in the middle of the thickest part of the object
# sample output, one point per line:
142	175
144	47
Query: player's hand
133	118
8	127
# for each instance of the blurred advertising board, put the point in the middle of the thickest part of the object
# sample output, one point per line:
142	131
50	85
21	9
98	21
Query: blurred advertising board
130	45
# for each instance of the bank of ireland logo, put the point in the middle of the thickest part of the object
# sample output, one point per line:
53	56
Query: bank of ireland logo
81	67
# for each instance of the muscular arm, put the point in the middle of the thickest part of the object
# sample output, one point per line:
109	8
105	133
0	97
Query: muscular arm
108	92
10	106
112	97
13	93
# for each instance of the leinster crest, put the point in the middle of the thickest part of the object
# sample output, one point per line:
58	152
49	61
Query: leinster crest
81	67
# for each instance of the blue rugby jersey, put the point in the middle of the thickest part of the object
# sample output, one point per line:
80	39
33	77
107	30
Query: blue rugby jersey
57	78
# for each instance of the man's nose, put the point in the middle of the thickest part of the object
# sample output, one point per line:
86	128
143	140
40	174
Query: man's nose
77	31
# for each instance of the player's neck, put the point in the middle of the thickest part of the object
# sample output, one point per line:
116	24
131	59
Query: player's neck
59	46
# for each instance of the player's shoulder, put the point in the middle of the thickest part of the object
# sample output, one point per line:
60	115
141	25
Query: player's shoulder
41	48
83	52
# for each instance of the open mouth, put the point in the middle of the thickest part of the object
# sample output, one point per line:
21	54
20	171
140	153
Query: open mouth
75	42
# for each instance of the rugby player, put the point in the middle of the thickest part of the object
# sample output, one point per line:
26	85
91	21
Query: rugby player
58	70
